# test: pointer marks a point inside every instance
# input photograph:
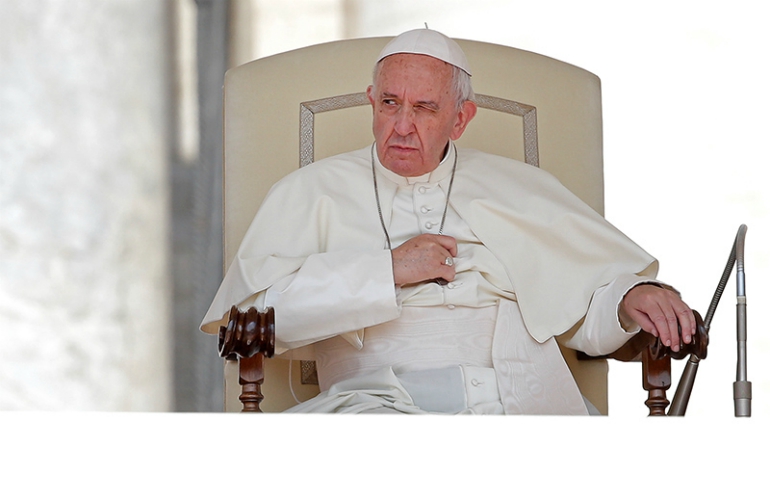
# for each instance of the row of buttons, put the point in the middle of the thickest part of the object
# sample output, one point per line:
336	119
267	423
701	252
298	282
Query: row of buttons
429	196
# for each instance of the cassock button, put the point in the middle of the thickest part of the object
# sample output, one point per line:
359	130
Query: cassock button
450	306
429	225
425	209
422	189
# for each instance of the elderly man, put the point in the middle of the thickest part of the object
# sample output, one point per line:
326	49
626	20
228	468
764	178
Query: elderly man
428	278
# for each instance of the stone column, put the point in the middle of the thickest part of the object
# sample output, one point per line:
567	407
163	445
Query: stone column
84	207
197	224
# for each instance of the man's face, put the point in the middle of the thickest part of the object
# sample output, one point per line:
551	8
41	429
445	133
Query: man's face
415	113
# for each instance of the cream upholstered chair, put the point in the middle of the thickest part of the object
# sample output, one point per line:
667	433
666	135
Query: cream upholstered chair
300	106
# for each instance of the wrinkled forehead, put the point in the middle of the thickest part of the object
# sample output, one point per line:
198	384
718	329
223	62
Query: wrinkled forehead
413	70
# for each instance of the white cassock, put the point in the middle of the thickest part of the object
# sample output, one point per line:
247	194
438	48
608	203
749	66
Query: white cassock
531	260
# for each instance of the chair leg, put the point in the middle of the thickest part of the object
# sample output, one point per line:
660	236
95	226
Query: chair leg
656	379
251	376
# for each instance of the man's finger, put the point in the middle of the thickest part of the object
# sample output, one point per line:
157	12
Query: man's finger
449	243
643	321
671	324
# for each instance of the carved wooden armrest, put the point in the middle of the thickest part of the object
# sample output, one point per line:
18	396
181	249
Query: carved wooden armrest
249	336
656	361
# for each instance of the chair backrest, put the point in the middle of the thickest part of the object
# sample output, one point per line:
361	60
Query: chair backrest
281	108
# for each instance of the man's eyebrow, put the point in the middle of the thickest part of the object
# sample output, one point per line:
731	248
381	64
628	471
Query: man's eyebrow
421	103
428	103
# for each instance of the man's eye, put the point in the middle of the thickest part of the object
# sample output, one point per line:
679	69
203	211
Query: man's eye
389	101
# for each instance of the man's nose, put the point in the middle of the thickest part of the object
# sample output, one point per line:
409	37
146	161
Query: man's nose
404	121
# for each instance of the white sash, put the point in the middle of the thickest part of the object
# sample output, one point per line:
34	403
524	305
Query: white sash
533	377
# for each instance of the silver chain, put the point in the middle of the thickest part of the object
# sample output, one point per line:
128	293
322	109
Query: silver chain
379	208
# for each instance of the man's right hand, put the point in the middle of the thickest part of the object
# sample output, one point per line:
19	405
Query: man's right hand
424	258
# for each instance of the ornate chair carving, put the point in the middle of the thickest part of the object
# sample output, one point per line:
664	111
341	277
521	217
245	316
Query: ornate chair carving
283	112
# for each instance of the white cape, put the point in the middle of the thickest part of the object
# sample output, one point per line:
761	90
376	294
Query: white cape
556	250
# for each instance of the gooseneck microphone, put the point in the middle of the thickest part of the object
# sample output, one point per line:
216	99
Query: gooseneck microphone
741	387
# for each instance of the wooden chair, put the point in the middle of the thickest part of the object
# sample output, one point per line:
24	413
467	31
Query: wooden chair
284	111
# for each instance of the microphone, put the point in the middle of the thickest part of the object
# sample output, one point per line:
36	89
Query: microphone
741	387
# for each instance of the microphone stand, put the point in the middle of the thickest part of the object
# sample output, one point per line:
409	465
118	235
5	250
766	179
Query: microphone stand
741	387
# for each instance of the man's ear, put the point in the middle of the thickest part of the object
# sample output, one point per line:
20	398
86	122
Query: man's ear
369	92
464	117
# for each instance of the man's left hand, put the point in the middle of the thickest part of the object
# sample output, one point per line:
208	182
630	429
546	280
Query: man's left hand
660	312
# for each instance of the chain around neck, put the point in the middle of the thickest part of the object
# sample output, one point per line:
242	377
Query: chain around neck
379	208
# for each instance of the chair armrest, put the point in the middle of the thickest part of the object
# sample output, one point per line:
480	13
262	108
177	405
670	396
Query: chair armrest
656	361
250	337
632	349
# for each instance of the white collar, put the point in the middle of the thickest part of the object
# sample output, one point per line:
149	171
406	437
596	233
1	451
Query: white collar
441	172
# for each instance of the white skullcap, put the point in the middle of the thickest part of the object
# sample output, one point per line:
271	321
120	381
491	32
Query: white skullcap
424	41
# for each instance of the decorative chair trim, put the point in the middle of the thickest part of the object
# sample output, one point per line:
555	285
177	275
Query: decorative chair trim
307	111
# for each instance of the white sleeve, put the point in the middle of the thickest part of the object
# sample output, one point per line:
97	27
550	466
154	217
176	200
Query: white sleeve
601	332
333	293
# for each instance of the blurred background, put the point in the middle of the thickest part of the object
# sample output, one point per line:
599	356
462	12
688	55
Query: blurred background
110	160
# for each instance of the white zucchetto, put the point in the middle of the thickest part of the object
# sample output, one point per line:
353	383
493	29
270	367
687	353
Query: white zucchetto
424	41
